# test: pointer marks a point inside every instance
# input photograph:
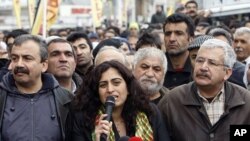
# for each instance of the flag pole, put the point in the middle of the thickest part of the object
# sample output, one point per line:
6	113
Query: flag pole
44	18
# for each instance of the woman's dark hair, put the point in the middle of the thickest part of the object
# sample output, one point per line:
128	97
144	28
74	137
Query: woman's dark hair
88	101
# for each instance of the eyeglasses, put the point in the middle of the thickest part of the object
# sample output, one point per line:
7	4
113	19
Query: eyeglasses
210	62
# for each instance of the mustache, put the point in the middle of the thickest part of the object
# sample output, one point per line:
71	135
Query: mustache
21	70
191	11
144	78
238	49
203	74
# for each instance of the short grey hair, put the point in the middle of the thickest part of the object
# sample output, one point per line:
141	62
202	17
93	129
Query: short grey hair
221	32
37	39
229	54
150	52
124	61
242	30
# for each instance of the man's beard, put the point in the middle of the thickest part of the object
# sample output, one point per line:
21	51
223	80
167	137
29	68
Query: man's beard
150	86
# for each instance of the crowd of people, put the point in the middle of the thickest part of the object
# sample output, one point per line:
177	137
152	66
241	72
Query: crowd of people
180	79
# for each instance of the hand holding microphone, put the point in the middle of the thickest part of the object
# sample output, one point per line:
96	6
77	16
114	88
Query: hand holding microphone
104	124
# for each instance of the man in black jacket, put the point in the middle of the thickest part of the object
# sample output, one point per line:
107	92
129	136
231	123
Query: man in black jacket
32	105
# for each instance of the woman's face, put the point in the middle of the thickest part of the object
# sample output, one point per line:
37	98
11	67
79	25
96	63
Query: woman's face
112	83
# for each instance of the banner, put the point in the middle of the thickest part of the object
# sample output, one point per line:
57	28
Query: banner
97	8
37	25
52	12
17	11
31	10
51	15
124	12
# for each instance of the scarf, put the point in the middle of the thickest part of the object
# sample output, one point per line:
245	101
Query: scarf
143	128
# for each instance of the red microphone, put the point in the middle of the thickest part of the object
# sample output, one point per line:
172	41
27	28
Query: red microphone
135	139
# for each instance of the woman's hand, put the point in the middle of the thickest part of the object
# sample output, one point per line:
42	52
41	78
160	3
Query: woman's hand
103	126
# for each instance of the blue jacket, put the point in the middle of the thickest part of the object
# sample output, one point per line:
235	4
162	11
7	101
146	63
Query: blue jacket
53	114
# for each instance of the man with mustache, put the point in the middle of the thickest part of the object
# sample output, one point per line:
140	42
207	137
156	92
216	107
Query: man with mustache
203	110
149	68
33	106
62	63
83	48
191	9
241	43
179	32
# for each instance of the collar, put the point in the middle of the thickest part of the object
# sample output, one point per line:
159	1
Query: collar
73	86
219	96
233	96
187	66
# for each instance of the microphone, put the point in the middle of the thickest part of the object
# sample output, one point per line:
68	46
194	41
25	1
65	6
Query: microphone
109	104
124	138
135	139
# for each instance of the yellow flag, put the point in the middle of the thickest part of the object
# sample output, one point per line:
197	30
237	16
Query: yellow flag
52	8
31	10
97	8
17	11
37	25
52	12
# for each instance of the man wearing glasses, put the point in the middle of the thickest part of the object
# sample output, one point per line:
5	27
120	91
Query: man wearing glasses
205	109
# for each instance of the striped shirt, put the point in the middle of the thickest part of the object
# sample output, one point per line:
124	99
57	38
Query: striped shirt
215	108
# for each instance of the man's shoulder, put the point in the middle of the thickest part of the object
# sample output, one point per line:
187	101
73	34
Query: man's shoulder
236	88
177	94
181	90
62	95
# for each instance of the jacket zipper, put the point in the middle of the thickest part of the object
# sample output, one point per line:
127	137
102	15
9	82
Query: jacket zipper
32	119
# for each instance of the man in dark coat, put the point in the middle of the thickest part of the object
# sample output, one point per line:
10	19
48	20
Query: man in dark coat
32	104
203	110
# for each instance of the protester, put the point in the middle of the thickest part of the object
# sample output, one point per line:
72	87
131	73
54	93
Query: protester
191	9
62	63
108	53
132	40
108	42
159	17
147	40
238	68
33	105
83	47
179	32
3	51
205	109
132	114
241	43
201	28
246	78
9	40
133	29
194	46
149	68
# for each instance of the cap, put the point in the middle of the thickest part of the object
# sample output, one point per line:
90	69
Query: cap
134	25
198	41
